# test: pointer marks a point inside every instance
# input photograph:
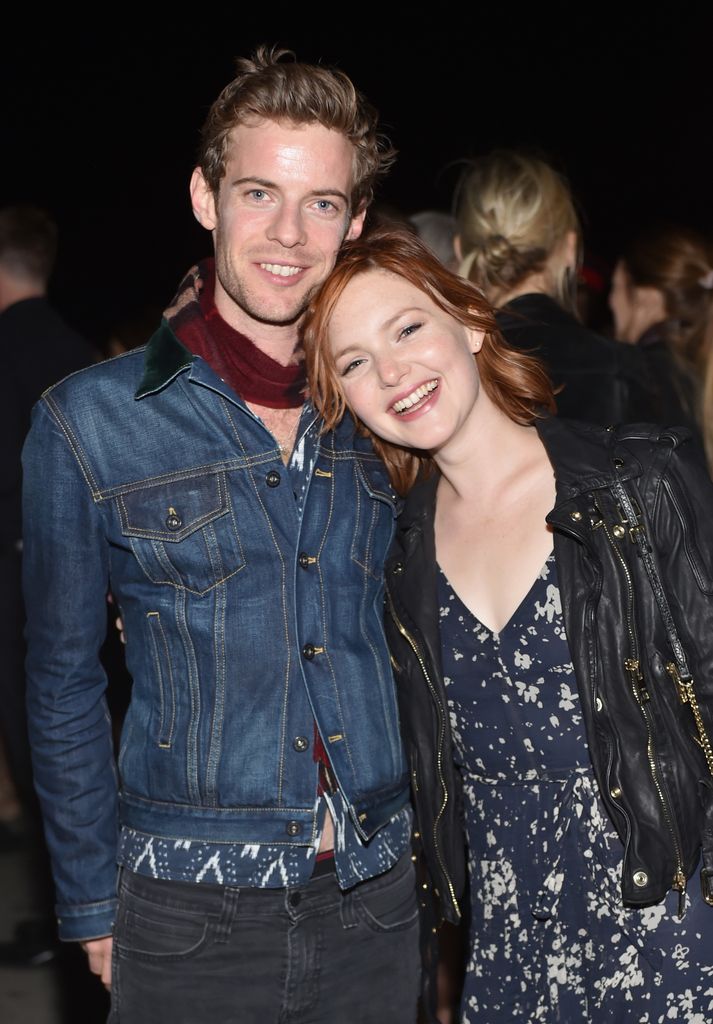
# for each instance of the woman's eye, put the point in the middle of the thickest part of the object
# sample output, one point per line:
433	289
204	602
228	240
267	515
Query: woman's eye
406	332
351	366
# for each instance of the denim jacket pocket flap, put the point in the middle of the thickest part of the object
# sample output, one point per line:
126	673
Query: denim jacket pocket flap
375	480
182	531
172	510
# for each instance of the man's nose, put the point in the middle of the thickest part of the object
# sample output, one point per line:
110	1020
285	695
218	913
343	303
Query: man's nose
287	226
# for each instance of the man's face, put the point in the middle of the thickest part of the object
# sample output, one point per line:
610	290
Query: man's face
279	218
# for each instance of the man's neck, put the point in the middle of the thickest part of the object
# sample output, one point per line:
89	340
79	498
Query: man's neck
14	290
279	341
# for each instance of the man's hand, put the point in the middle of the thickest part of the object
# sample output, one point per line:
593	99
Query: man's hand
99	953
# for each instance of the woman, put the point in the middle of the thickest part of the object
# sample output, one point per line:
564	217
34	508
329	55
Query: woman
662	302
585	797
519	241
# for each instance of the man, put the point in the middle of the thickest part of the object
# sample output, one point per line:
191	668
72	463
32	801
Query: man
263	825
38	349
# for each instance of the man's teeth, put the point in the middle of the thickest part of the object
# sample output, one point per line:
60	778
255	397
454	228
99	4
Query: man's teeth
280	270
415	396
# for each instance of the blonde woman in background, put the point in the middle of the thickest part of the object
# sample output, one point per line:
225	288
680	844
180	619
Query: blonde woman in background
519	240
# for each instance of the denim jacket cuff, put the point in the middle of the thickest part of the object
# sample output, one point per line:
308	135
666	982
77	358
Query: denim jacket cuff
84	922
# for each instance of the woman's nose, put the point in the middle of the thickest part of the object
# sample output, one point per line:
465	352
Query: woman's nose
391	371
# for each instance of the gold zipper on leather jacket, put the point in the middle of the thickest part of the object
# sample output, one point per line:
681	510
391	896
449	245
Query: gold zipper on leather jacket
687	695
441	733
641	695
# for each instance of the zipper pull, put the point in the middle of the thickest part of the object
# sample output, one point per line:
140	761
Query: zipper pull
633	668
636	678
679	884
681	688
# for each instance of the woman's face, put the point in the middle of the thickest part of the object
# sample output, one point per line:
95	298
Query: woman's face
406	367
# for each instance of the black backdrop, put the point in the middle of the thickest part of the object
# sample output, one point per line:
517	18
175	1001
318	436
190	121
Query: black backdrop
101	125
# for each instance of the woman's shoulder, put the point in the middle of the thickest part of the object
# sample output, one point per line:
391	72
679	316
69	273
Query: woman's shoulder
581	452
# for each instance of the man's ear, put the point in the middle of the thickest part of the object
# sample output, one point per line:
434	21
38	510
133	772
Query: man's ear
203	201
356	225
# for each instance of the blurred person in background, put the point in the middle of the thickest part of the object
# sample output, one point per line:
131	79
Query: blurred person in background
38	349
661	300
437	230
519	240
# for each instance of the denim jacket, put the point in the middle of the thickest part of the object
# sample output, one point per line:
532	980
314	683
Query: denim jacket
245	623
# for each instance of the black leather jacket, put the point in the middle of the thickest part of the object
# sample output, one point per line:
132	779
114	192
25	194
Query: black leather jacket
651	771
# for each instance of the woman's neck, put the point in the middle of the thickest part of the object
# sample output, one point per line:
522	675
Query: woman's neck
488	456
537	284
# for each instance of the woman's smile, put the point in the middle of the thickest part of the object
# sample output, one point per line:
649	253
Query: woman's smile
414	401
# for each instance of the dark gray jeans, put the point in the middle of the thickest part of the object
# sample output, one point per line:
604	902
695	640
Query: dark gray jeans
199	954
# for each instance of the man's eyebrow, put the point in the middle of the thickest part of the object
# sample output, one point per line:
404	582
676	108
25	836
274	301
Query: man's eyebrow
315	192
263	182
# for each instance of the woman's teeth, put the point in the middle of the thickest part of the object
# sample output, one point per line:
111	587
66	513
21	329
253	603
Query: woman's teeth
416	396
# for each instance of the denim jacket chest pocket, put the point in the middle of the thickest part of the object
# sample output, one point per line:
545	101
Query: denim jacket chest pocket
183	531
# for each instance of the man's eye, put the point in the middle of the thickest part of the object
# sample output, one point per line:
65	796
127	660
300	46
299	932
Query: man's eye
326	205
258	193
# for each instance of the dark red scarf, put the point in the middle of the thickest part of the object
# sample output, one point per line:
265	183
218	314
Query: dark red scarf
252	374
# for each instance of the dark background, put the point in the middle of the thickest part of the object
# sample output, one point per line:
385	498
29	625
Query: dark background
101	125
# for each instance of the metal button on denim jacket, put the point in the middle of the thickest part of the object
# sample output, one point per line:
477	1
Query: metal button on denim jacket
244	621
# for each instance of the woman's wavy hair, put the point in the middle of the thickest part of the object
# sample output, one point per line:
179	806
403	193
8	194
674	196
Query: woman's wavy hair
517	383
274	86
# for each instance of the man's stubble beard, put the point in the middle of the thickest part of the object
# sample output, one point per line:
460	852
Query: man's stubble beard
259	309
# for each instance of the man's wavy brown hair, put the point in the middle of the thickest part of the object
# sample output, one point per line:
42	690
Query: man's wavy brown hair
273	86
516	382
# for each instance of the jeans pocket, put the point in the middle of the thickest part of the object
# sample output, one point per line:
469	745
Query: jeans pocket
150	931
388	903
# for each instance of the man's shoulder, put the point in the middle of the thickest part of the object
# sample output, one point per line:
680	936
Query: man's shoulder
116	377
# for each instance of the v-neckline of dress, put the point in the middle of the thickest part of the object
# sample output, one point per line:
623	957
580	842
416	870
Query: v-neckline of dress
511	618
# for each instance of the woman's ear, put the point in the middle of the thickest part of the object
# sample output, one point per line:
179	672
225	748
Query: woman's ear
476	340
571	250
457	248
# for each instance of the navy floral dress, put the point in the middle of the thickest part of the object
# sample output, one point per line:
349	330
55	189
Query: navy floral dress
550	939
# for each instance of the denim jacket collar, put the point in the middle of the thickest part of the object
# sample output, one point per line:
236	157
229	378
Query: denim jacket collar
165	358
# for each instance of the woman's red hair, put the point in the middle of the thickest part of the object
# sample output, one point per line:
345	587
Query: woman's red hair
517	383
